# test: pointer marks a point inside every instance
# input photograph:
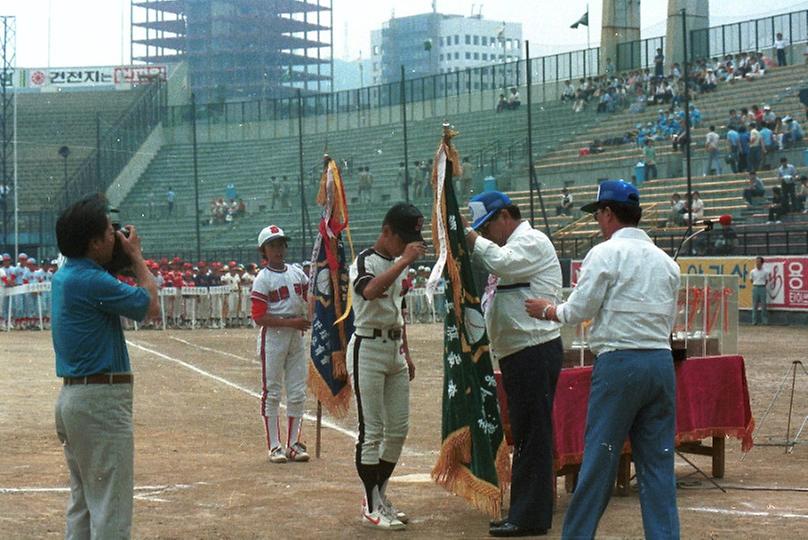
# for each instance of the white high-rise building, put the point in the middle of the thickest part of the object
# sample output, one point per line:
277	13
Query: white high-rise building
433	43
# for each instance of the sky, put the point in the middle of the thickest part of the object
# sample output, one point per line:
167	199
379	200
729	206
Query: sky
69	33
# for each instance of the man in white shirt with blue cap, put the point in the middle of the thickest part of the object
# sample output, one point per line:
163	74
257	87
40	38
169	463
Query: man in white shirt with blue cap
628	288
529	351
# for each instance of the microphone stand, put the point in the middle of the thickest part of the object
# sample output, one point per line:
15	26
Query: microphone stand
708	226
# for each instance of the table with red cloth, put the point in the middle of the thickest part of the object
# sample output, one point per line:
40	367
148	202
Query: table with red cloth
712	400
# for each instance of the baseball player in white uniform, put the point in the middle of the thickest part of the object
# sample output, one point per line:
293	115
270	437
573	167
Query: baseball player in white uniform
379	360
232	280
279	307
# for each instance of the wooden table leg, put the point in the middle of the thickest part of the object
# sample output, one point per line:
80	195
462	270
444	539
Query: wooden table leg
718	457
624	475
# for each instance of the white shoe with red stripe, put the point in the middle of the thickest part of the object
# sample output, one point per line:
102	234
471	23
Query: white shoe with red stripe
297	452
380	519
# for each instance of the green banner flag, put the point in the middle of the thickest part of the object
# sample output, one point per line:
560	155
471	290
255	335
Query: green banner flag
474	460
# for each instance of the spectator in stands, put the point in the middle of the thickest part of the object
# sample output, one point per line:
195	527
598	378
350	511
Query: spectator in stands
769	146
711	146
428	179
776	206
727	238
403	181
780	49
788	176
649	159
286	190
779	132
466	179
710	81
364	185
756	148
417	183
734	121
170	197
743	149
513	99
755	189
802	196
502	104
565	205
792	134
241	208
611	69
733	149
696	210
695	116
275	189
768	116
659	64
676	217
567	93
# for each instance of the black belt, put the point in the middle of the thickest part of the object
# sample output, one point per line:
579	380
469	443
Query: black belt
513	286
100	378
393	333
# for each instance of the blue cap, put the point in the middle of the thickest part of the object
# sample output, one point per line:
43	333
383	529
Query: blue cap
485	205
618	191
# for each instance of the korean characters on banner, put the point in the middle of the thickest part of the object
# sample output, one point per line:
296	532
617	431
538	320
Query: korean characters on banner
788	277
120	77
787	287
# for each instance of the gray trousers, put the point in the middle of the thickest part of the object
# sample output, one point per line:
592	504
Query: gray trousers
759	299
382	390
94	425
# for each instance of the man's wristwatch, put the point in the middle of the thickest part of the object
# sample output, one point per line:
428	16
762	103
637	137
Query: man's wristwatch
545	310
468	230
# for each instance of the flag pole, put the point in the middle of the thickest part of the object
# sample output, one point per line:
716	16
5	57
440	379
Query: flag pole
587	27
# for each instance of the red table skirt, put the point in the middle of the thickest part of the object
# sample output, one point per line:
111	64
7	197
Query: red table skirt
712	400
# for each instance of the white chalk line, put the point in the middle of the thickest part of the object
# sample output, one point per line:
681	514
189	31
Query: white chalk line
217	351
745	513
326	423
200	371
150	490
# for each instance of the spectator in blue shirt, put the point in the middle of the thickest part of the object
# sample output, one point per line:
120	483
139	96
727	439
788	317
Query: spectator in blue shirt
733	142
743	149
94	407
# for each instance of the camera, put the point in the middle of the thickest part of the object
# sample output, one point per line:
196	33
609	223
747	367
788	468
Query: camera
120	262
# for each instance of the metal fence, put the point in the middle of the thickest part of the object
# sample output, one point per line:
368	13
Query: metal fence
718	41
638	54
747	36
477	85
116	146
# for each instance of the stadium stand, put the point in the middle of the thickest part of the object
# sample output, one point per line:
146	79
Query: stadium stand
48	121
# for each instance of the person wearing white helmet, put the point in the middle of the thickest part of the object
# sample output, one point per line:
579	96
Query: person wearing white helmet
5	281
279	307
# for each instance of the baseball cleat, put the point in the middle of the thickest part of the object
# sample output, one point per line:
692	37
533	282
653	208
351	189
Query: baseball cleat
393	511
379	519
277	455
297	452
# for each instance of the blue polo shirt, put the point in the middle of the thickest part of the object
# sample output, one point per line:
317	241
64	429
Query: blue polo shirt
87	303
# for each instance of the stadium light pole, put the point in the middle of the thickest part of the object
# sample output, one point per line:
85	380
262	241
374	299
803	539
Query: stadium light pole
685	74
406	153
196	177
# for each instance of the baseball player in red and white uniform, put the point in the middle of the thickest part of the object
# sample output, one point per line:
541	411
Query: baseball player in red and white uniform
279	307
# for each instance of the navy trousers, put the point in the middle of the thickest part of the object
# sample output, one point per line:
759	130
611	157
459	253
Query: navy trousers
530	378
633	395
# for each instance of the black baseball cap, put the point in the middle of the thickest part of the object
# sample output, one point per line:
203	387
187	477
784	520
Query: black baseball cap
406	221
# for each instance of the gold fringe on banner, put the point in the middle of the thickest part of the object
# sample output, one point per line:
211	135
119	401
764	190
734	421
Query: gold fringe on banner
339	405
451	471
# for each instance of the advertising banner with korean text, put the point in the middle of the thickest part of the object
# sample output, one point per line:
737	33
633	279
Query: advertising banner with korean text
787	285
121	77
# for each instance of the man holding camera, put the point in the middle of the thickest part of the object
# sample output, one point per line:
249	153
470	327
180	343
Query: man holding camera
94	407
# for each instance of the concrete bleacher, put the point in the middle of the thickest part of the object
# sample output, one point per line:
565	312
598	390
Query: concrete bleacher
558	134
249	164
778	88
48	121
